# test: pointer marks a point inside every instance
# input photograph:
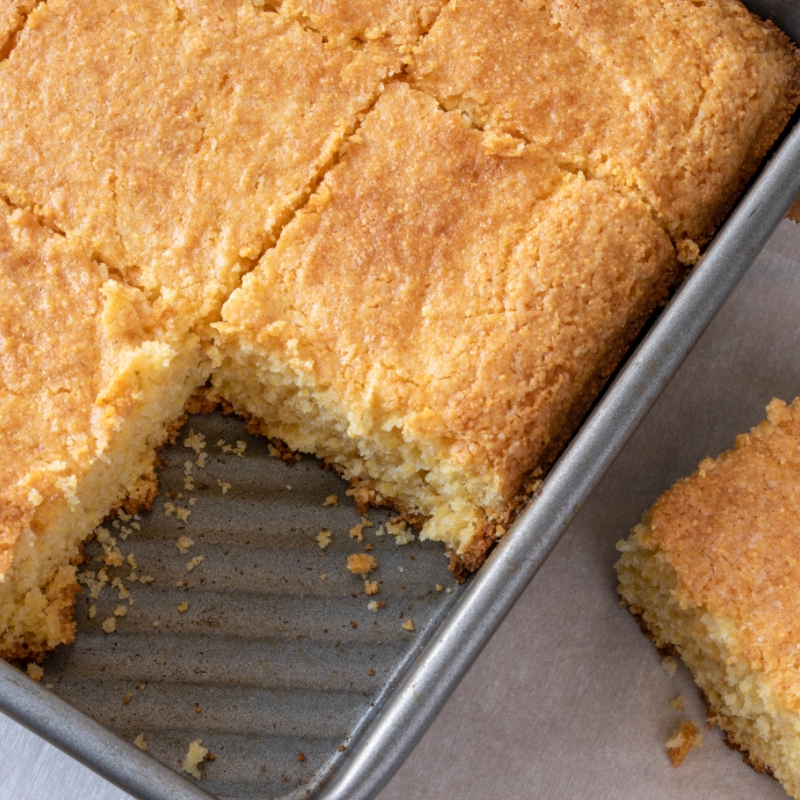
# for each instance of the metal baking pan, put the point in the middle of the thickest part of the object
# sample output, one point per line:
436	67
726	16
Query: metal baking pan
297	687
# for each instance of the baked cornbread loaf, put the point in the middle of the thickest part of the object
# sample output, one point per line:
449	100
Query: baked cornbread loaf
713	573
431	307
91	378
673	102
430	321
174	142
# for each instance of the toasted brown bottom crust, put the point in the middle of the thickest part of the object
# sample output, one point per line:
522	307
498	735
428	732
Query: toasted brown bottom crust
714	716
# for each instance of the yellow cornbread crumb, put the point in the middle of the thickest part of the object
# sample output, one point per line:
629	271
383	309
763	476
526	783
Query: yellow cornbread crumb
194	757
183	544
140	742
109	625
678	703
409	625
370	587
361	563
331	500
34	671
182	607
323	538
669	665
196	561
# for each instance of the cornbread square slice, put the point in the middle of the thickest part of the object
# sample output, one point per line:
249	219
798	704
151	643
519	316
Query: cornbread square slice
671	101
435	321
173	142
91	379
713	573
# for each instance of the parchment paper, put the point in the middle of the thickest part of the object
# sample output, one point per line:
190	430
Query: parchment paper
569	700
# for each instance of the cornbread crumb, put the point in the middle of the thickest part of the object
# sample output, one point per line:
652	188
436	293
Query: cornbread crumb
323	576
331	500
323	538
238	450
127	698
120	611
183	544
195	441
146	579
409	625
34	671
224	486
109	625
156	623
372	605
678	703
669	665
439	587
92	611
196	561
686	738
361	563
184	606
140	742
356	532
402	534
131	559
194	757
370	587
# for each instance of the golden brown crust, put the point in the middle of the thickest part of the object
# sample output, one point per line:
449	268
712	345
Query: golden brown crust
174	142
700	92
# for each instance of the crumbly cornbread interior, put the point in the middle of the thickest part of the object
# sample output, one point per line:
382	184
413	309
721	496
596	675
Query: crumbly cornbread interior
712	572
455	284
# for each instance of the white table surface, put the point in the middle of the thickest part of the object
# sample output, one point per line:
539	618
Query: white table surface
569	700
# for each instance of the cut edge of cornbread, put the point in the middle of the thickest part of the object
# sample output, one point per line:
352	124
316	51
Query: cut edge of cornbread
377	458
39	572
739	701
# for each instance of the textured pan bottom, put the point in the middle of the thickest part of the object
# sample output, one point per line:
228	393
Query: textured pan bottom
278	660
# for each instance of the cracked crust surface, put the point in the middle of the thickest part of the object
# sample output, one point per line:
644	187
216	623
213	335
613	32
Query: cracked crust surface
670	101
174	143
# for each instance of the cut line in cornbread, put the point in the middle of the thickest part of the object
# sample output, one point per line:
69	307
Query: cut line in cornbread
670	101
174	141
713	574
436	319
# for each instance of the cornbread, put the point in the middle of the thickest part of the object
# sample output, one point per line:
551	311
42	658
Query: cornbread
713	574
400	22
671	102
92	377
419	270
433	317
173	142
684	740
